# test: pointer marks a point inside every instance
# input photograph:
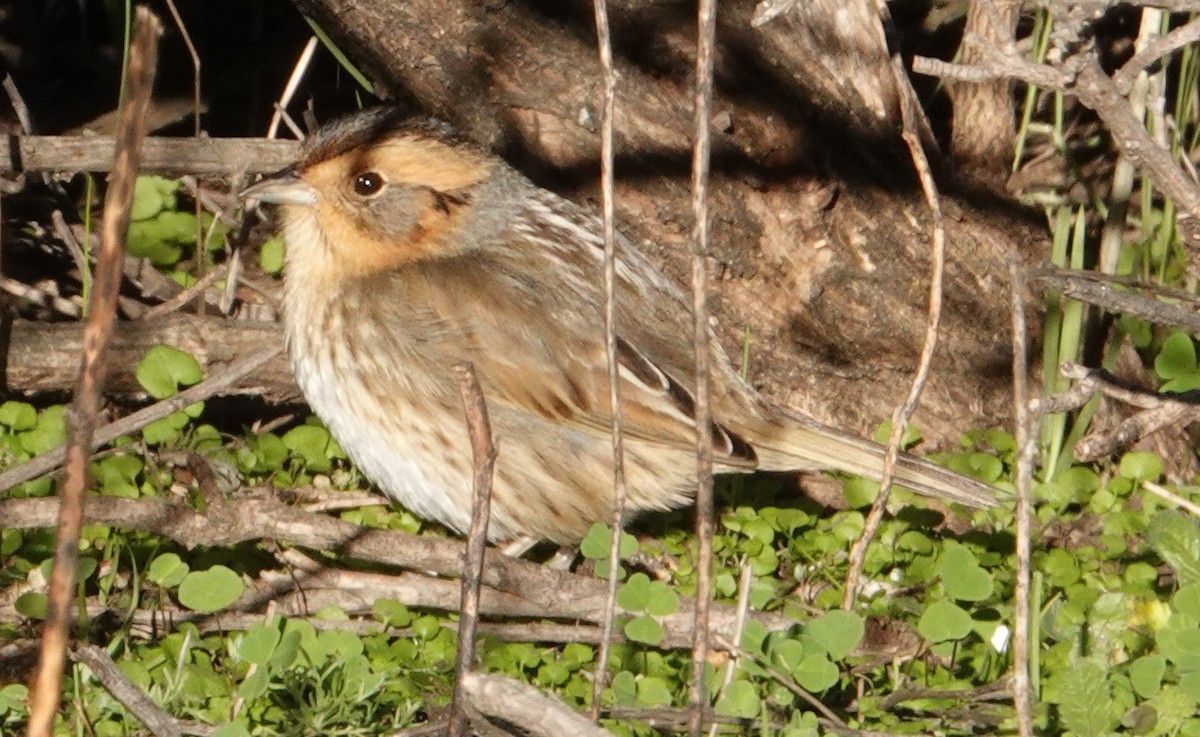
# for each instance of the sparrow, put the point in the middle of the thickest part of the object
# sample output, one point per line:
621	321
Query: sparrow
409	251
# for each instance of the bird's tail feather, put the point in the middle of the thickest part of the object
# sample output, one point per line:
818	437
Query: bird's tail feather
809	445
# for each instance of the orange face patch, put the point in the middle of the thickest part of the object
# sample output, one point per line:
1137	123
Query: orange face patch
437	178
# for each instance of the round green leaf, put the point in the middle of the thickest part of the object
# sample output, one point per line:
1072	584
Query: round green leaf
32	604
739	700
1141	465
1146	674
167	570
944	620
962	576
816	673
839	632
661	600
653	691
597	544
634	594
258	645
18	415
211	590
270	256
645	629
1177	357
165	368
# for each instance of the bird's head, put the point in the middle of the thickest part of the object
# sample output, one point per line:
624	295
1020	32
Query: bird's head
374	190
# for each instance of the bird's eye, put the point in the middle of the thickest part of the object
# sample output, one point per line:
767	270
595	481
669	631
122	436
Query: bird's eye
367	184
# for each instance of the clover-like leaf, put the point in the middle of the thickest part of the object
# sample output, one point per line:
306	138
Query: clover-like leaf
740	699
816	673
167	570
165	368
944	620
962	576
211	590
645	629
838	631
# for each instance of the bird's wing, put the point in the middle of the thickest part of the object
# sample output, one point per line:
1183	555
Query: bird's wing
655	407
541	352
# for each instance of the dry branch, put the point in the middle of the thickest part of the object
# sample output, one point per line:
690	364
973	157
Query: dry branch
524	589
200	156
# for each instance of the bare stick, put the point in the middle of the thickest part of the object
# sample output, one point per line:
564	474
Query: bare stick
162	155
707	23
1172	497
1186	34
537	714
47	682
937	258
484	458
50	460
150	714
1022	698
604	39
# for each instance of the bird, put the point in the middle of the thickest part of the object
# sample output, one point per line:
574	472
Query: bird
409	250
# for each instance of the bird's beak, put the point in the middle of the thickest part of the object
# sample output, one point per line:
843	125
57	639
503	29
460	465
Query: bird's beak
284	187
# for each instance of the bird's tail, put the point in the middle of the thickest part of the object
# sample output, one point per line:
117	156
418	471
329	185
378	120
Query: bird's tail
804	444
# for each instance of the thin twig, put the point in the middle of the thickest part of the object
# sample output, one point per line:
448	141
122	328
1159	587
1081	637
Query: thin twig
604	39
1172	497
187	295
739	625
51	459
289	90
484	459
1182	36
1022	695
47	682
707	27
933	321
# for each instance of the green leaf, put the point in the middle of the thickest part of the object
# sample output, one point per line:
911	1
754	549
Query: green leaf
1141	466
962	576
232	729
1084	699
49	432
634	594
167	570
1176	539
254	685
12	698
661	600
739	700
117	475
166	368
1177	357
258	644
270	256
152	195
944	620
211	590
165	430
1146	674
816	673
645	629
1187	600
314	444
32	604
597	544
18	415
653	691
391	613
839	632
624	688
859	492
